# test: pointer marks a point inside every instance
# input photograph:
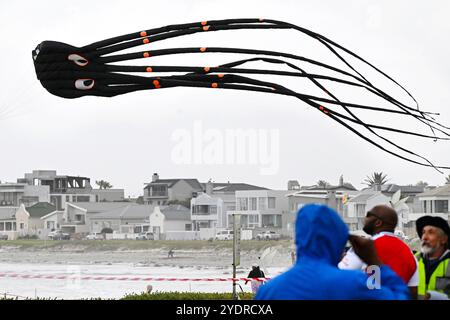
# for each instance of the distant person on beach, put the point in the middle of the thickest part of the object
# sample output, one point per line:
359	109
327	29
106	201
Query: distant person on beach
256	272
380	224
170	254
434	258
320	237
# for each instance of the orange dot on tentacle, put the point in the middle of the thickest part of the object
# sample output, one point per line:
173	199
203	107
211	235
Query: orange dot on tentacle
202	49
214	85
206	69
220	75
143	34
156	84
146	41
205	28
261	19
146	54
321	108
203	23
149	69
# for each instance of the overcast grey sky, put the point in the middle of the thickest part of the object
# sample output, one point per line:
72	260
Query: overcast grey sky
125	139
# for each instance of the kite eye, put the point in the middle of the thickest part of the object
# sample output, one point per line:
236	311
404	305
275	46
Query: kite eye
79	60
84	84
35	53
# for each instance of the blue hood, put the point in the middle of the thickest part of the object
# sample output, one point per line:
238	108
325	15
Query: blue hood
320	234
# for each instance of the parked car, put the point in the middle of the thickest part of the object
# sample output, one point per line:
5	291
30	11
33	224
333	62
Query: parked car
145	236
95	236
59	235
3	237
268	235
224	235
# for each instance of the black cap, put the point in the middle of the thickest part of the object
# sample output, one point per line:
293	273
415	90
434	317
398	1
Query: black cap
437	222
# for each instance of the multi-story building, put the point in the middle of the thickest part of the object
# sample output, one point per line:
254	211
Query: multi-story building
15	194
162	191
60	189
207	212
260	208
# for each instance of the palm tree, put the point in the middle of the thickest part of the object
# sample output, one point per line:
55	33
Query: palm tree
377	178
322	184
102	184
447	179
422	184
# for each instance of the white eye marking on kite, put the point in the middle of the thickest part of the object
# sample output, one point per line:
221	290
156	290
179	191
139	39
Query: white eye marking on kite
84	84
79	60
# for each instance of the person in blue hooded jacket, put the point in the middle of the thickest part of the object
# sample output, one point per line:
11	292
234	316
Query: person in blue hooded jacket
320	237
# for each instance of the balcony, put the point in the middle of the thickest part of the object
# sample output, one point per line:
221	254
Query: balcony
204	217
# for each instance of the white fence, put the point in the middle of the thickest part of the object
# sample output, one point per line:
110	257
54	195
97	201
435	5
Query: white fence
120	236
182	235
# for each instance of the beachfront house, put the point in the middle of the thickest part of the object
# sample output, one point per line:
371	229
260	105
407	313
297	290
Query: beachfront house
8	226
61	189
76	218
13	194
260	209
28	219
166	191
207	212
171	222
130	218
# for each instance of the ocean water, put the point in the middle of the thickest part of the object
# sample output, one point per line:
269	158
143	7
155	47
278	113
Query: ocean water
75	288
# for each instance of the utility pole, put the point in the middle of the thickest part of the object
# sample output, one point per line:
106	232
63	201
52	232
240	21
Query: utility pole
236	249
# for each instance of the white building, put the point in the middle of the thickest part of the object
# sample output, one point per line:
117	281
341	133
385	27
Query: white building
207	212
14	194
170	219
260	208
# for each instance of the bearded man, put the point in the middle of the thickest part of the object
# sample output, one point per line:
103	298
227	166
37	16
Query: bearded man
433	258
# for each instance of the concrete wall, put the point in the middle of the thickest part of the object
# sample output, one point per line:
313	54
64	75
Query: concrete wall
175	225
42	192
22	217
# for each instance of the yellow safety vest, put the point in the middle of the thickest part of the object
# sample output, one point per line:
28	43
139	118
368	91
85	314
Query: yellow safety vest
437	279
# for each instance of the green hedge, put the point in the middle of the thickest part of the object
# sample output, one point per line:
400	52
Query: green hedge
175	295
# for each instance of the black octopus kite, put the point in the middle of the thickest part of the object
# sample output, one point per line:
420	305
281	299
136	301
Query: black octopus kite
70	72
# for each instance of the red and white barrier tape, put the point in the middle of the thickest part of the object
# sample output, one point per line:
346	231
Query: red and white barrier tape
78	277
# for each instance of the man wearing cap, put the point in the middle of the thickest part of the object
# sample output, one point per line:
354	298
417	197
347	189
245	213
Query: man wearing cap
434	258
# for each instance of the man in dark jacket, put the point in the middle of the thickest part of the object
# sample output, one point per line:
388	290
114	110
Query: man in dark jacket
321	236
256	272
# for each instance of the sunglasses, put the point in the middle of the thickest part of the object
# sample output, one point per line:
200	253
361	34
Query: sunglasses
371	214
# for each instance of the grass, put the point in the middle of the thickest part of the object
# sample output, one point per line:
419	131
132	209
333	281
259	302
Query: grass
113	245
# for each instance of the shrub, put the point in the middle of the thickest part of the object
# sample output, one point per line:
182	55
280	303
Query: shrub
176	295
107	230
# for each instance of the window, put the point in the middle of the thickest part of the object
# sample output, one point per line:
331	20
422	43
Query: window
243	204
271	202
212	209
2	226
83	199
22	226
253	203
8	226
188	227
67	198
262	204
441	206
